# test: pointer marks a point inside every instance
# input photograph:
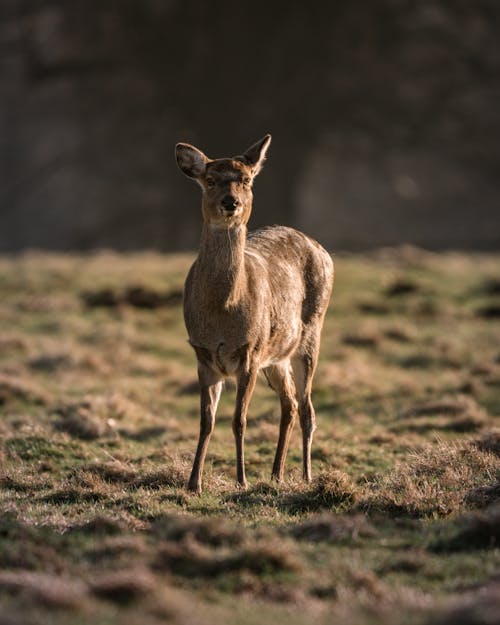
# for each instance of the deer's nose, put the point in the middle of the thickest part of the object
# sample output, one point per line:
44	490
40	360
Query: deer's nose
229	202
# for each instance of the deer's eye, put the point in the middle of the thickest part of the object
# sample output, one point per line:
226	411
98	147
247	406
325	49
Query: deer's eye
247	182
210	183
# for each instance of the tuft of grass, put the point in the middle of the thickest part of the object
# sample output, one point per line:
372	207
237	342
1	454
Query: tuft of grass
434	482
331	489
95	416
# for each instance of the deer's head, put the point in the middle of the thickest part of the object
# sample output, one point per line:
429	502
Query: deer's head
226	182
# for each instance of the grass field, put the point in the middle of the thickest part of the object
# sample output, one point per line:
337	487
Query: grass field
99	422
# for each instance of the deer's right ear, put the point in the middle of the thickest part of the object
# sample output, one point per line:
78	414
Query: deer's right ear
191	161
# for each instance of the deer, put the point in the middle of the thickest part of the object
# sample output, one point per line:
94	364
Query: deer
252	302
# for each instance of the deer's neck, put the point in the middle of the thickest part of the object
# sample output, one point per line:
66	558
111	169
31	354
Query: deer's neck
221	264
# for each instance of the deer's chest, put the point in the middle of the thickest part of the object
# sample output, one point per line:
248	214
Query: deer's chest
221	339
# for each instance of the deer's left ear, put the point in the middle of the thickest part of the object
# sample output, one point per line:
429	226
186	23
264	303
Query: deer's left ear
256	154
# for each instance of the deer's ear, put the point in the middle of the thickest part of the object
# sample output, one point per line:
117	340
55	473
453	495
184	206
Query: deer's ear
256	154
191	161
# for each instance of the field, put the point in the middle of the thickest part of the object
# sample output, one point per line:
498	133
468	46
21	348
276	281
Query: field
99	422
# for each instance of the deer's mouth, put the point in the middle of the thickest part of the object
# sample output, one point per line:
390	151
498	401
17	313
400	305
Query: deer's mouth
228	213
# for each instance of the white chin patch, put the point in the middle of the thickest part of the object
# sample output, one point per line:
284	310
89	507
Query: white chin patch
228	214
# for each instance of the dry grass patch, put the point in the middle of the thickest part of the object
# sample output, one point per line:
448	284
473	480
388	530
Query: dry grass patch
133	477
330	489
96	416
434	481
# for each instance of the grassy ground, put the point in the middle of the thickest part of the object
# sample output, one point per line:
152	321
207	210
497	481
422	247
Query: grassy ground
98	427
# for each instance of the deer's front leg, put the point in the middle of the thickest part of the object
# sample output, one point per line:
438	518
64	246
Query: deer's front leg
210	389
245	386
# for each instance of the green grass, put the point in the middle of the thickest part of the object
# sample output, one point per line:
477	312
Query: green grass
99	422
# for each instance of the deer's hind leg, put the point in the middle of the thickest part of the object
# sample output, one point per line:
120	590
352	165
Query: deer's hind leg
280	379
304	365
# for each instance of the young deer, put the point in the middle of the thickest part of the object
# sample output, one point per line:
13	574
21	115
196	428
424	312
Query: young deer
252	301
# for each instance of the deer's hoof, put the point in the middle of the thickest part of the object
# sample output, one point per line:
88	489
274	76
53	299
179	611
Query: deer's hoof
194	487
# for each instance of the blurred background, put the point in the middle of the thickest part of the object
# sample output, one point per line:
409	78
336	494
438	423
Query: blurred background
385	116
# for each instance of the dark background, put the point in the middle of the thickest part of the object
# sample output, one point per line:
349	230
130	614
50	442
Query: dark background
385	117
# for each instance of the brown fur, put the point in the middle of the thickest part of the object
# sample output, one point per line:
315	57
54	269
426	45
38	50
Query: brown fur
252	301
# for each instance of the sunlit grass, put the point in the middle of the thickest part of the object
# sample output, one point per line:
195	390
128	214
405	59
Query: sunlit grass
99	422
